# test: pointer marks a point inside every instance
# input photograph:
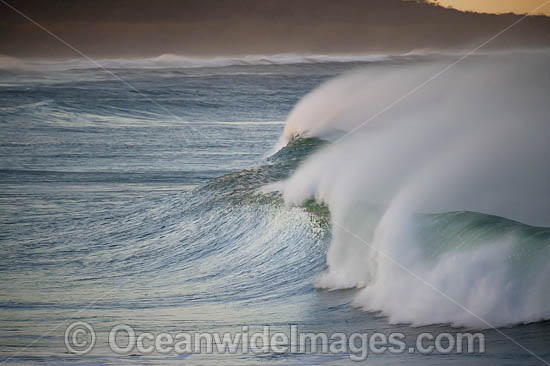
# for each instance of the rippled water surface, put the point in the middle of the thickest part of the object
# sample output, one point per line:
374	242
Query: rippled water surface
119	206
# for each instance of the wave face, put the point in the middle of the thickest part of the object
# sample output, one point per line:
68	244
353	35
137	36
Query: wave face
439	190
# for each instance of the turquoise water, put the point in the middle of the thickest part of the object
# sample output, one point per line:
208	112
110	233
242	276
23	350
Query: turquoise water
144	209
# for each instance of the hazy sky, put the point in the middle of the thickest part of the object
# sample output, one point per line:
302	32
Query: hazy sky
109	28
498	6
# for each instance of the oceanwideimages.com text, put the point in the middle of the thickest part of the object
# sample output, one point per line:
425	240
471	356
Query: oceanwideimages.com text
80	338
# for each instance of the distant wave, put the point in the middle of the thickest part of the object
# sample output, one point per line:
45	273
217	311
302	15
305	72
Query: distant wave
171	61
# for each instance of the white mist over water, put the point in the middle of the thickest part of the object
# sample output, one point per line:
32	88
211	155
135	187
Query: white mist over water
473	139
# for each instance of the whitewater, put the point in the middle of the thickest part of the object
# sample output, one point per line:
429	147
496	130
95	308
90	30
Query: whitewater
447	167
341	193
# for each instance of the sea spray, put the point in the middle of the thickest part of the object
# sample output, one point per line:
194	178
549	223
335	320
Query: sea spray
411	143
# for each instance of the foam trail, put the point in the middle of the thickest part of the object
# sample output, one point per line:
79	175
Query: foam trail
419	181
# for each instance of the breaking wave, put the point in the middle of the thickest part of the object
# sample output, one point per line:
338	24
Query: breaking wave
439	195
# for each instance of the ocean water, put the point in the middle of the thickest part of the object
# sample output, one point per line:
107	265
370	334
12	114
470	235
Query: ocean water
159	206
